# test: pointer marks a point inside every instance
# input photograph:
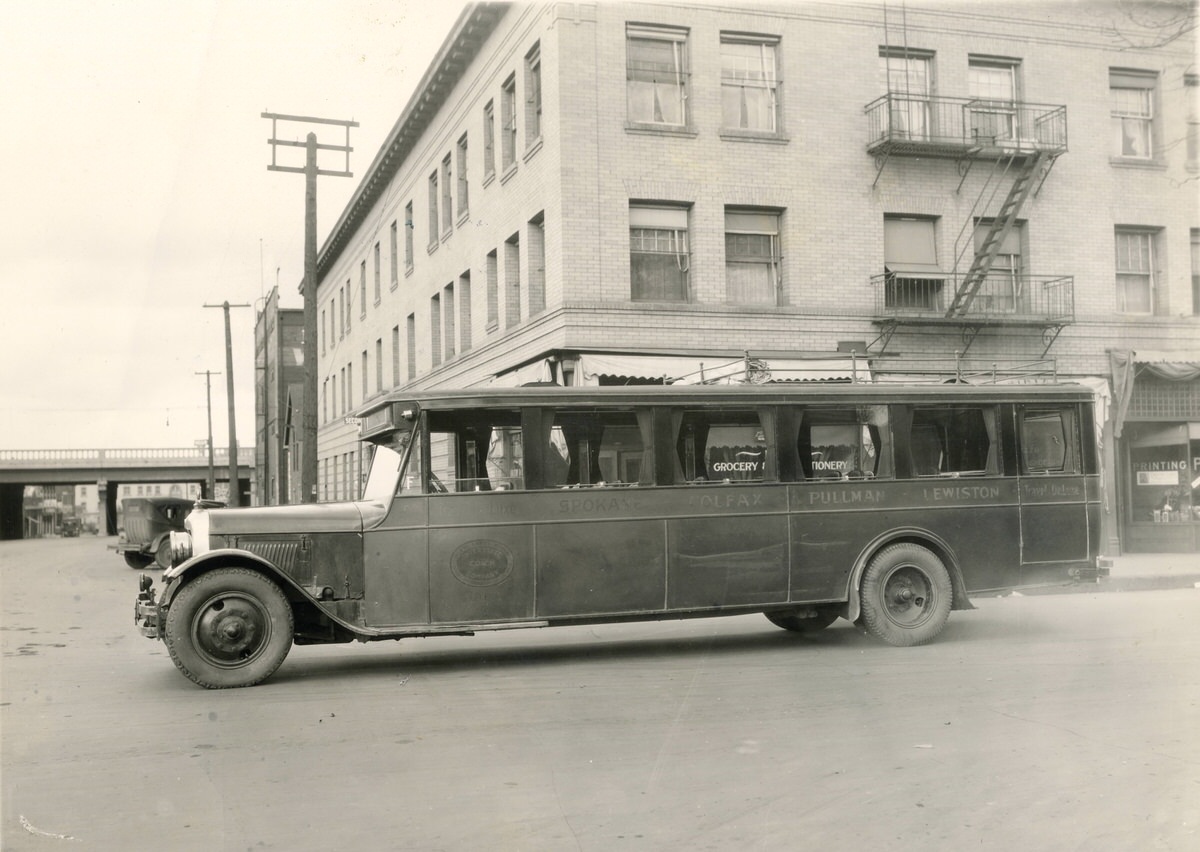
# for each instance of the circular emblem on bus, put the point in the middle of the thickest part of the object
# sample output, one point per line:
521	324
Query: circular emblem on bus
481	563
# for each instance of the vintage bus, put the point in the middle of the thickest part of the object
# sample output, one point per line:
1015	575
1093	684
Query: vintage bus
488	509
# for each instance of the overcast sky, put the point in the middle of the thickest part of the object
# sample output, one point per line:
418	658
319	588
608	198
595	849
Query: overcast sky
135	191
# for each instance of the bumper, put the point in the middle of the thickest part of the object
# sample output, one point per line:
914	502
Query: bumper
146	610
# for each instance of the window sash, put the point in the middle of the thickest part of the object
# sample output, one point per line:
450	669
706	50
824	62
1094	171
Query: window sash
658	264
1135	272
749	85
656	79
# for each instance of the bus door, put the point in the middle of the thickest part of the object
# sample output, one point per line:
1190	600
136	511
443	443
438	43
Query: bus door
1053	490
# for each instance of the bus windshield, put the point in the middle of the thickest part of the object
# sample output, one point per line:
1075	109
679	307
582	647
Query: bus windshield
384	477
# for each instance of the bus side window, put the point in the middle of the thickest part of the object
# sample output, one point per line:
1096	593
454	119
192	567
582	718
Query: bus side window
1049	441
725	446
479	450
953	442
598	447
844	443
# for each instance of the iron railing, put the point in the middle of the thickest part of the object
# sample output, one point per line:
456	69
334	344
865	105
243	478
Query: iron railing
1030	298
123	457
909	123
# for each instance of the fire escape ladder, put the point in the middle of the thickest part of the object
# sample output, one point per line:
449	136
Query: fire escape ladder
999	228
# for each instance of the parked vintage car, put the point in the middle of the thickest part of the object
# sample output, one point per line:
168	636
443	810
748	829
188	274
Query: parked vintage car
70	528
147	522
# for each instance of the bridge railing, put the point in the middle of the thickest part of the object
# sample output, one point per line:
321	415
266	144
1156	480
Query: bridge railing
123	457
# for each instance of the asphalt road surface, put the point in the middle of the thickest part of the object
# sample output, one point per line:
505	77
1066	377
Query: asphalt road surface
1062	722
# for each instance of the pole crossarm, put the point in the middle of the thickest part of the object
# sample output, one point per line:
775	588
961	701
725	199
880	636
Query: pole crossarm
308	413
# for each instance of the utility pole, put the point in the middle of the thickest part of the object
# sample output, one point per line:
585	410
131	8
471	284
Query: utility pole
234	488
212	475
308	418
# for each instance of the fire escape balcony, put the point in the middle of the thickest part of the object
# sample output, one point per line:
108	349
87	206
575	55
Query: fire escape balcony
1002	300
906	124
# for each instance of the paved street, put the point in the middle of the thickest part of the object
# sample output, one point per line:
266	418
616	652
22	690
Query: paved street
1049	722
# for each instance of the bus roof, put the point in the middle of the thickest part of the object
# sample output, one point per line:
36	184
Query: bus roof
749	394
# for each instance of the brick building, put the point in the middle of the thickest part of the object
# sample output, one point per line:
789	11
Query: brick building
602	192
278	392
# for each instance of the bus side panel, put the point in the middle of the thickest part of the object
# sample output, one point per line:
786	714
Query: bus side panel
832	524
396	582
481	573
1054	527
598	567
720	561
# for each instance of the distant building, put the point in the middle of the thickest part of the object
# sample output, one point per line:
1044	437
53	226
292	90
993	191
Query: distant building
596	193
278	381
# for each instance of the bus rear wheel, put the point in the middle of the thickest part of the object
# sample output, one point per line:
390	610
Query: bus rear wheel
906	595
808	620
229	627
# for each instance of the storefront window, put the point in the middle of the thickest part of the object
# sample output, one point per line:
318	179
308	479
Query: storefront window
1165	472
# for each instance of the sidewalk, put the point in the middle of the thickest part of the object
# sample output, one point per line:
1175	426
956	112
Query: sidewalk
1139	571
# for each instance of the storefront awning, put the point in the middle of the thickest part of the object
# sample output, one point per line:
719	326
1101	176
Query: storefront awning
718	370
538	371
1178	365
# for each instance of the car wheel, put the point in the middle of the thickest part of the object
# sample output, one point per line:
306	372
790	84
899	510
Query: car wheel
229	627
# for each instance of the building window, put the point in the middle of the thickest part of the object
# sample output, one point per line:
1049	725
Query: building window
656	76
1191	85
447	200
378	292
912	277
1131	100
749	83
493	292
537	264
752	257
1135	271
395	356
378	364
1005	289
348	387
533	96
435	327
410	331
512	281
325	401
658	253
366	391
464	310
508	123
448	319
1195	272
362	289
342	293
324	336
408	237
992	87
489	140
433	211
463	195
393	248
908	80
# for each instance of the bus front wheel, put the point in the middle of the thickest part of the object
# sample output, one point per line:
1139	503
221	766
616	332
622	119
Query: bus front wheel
230	627
906	595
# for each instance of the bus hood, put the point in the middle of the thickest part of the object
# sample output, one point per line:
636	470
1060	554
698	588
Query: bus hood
303	518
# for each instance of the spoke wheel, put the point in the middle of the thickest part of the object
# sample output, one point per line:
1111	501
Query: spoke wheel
230	627
807	620
906	595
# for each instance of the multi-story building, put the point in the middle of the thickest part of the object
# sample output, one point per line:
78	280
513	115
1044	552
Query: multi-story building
639	192
278	391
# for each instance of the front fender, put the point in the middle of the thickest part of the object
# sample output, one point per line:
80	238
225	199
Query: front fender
178	575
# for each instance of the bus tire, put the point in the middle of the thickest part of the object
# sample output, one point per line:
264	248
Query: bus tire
906	595
808	620
230	627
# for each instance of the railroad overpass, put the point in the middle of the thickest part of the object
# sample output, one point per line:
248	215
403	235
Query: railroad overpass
109	469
